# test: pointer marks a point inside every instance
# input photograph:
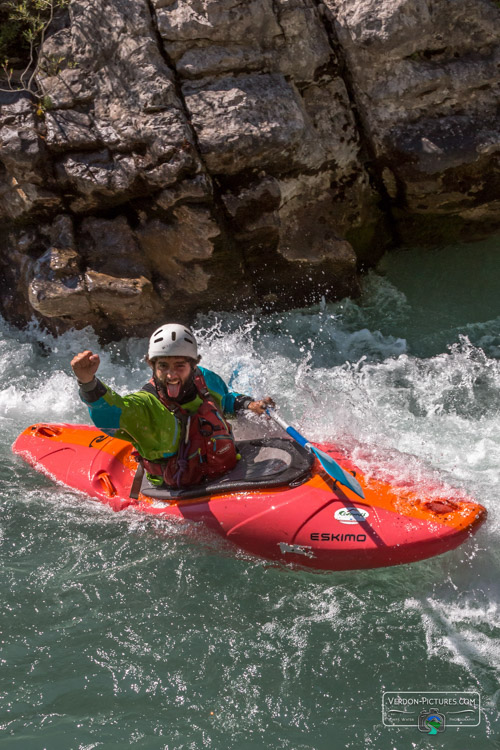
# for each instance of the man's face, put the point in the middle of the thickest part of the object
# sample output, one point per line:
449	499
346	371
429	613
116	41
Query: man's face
173	373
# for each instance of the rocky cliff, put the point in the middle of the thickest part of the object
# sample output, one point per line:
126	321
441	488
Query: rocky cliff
198	154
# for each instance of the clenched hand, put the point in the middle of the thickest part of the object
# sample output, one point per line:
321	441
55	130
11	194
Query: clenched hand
259	407
85	366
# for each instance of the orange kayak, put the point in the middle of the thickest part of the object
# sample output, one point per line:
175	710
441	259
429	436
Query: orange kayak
278	503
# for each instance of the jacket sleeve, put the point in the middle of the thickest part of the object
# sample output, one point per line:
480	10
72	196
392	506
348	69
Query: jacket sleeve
230	401
111	412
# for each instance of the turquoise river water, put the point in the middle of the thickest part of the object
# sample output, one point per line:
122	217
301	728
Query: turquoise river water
123	631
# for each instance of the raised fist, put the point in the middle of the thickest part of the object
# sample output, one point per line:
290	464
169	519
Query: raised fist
85	366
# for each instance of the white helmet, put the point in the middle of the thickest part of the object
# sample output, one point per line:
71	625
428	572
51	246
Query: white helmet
172	340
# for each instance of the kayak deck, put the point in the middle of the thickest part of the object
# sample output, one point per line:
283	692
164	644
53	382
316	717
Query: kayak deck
309	521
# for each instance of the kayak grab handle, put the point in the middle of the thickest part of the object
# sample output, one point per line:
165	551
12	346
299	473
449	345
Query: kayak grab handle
106	483
47	431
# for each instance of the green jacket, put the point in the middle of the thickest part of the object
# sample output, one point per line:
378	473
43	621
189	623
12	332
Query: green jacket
144	421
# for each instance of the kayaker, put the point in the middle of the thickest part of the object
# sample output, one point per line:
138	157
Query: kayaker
176	421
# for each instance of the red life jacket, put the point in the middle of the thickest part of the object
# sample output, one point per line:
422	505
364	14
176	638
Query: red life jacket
206	448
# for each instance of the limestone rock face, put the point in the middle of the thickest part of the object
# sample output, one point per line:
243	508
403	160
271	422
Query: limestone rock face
426	77
262	88
105	278
205	154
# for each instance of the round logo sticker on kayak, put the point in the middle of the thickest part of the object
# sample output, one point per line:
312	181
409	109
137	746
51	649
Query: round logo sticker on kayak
351	515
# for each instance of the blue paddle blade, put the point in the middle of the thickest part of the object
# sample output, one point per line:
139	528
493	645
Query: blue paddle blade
331	467
337	472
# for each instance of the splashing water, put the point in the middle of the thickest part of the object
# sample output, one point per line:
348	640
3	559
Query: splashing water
120	630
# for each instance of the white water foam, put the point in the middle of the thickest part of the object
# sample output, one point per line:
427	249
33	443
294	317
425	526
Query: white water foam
331	380
340	373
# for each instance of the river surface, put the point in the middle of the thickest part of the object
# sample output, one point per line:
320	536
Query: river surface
120	631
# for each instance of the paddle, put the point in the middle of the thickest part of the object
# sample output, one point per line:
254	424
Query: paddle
327	462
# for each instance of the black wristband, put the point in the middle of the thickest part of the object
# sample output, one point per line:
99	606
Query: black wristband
93	391
86	387
241	402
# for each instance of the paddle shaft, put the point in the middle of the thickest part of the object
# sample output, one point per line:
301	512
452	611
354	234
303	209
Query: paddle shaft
327	462
291	431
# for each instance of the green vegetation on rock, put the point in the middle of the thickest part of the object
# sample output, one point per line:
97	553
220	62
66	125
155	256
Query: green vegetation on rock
23	27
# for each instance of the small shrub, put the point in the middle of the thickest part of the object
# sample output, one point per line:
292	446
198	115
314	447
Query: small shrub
23	27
